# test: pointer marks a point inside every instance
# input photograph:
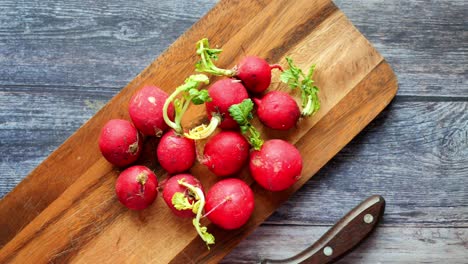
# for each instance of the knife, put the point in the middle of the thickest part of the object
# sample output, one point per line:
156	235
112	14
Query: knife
343	237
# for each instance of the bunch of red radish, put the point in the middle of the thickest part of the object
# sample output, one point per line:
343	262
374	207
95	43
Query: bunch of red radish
275	164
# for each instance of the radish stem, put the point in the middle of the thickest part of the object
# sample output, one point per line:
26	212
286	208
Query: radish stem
203	131
190	94
207	55
197	208
294	78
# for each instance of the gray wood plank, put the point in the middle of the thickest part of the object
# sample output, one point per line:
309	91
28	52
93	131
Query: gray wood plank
87	43
424	41
415	154
385	245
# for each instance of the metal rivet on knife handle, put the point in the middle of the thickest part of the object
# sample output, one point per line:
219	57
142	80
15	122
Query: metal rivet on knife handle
368	218
328	251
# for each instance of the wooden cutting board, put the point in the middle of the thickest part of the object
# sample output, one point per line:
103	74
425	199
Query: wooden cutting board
66	210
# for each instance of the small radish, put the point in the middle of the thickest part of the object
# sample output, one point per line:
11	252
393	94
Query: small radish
146	110
176	153
229	203
294	77
136	187
223	94
275	164
173	190
278	110
226	153
180	202
254	72
120	142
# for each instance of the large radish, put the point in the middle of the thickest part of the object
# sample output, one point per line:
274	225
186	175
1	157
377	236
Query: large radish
120	143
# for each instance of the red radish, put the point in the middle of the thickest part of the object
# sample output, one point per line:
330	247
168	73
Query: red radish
146	110
229	203
176	153
137	187
276	166
254	72
172	187
225	93
120	142
226	153
278	110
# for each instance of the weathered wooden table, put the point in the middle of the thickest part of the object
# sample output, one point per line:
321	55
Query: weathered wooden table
60	61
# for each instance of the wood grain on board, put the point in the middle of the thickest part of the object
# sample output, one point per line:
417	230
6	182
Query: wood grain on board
79	219
55	174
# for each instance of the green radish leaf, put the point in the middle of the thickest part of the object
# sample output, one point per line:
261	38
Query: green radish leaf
294	77
199	97
203	232
242	114
194	81
181	202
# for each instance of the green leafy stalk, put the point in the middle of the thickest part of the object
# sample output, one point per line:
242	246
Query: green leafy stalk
190	94
207	56
203	131
294	78
242	113
181	202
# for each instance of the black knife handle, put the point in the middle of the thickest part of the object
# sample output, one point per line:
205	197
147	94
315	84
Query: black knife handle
345	235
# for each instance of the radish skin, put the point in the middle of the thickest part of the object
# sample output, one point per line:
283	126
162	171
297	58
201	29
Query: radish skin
226	153
278	110
146	111
229	203
176	153
255	73
225	93
276	166
136	187
120	142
